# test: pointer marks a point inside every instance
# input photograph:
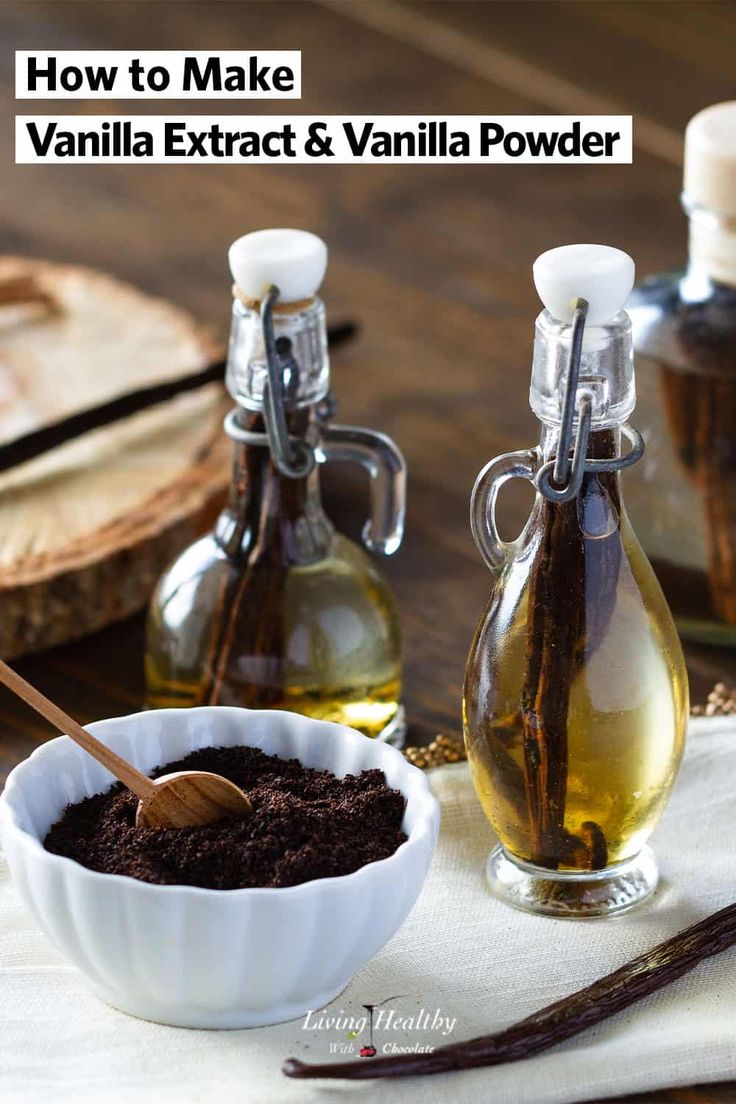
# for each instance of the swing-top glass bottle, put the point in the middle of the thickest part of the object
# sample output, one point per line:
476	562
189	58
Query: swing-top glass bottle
575	697
275	608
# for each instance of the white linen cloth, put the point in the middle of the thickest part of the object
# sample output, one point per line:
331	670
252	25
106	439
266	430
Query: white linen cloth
460	952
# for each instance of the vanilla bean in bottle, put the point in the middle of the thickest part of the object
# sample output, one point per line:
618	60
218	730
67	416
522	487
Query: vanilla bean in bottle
683	498
275	608
575	697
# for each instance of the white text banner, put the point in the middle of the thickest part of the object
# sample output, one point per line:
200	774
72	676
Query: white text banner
340	140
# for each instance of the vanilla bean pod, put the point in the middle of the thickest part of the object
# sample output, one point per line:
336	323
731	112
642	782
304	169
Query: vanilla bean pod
40	441
557	1022
249	617
555	631
34	444
572	590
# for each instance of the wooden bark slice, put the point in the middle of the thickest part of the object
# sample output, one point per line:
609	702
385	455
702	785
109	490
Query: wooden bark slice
86	529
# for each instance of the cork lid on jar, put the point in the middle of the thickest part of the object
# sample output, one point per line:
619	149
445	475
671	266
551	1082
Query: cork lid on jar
710	159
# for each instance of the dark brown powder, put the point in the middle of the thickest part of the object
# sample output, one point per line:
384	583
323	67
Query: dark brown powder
305	824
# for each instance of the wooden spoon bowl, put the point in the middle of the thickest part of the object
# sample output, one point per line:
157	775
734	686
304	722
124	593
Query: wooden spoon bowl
186	798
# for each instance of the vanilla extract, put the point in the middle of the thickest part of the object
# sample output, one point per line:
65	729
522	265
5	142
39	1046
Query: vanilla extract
575	699
119	139
274	608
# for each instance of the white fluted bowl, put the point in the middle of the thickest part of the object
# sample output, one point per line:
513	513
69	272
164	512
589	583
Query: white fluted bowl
195	957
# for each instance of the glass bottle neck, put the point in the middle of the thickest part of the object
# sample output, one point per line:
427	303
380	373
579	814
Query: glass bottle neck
305	330
599	505
269	517
603	442
606	370
712	246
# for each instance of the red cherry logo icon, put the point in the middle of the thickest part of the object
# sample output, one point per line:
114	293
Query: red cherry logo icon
367	1052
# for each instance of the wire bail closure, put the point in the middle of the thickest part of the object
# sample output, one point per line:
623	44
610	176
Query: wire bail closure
566	471
293	457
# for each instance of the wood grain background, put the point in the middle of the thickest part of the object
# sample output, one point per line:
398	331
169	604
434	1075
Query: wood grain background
434	262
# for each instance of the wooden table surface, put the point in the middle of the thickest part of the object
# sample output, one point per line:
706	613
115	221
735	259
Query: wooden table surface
434	262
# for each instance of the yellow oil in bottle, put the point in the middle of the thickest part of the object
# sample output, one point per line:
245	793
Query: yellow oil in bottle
625	721
320	639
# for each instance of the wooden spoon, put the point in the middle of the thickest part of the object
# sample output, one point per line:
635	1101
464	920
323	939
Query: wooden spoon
177	800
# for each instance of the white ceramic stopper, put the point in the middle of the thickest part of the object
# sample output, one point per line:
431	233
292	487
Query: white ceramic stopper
294	260
599	273
710	158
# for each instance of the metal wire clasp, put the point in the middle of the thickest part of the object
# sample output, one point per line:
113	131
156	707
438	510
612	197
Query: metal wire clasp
293	457
565	471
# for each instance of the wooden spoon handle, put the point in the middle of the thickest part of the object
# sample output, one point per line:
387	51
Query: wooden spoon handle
134	779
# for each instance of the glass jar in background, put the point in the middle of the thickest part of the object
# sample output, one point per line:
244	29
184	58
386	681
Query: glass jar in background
682	496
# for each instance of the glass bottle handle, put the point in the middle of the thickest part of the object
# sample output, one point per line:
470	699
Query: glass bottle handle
512	465
382	459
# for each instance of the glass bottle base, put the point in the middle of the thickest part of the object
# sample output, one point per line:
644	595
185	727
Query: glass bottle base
573	895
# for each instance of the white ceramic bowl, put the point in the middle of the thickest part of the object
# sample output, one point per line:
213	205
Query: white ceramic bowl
201	957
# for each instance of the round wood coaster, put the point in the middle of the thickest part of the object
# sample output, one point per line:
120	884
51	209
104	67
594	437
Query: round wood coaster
86	529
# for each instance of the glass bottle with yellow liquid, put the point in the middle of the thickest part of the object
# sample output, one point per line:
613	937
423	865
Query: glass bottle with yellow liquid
575	698
275	608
